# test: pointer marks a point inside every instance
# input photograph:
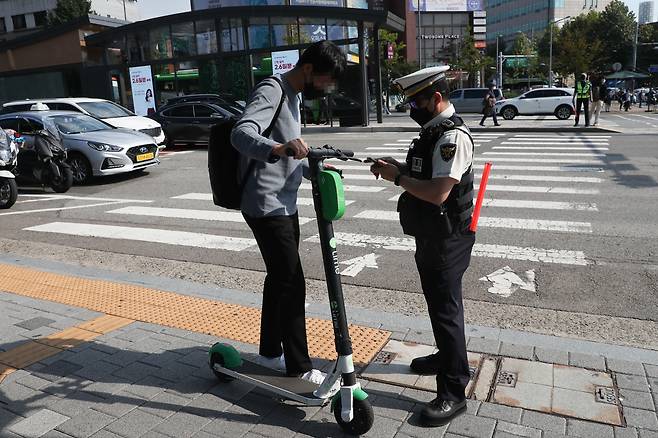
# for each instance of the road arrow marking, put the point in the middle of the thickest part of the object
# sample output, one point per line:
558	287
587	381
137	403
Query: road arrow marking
506	282
357	264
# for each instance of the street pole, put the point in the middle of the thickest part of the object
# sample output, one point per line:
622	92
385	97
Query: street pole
637	30
125	16
550	56
497	72
420	39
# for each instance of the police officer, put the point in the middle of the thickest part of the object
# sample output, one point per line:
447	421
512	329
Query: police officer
582	96
436	209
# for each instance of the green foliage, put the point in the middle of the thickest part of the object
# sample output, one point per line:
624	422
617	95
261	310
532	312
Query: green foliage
395	67
68	10
616	32
470	59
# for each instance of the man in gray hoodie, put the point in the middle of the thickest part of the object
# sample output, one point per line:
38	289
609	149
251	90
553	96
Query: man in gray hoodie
269	200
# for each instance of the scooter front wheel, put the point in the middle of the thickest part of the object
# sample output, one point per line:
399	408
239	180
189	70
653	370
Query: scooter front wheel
363	418
8	192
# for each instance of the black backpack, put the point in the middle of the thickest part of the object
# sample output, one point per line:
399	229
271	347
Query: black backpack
224	159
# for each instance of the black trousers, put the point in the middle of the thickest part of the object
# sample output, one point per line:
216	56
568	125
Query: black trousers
585	104
441	265
284	293
485	115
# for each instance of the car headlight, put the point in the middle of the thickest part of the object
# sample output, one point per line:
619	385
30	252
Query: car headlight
103	147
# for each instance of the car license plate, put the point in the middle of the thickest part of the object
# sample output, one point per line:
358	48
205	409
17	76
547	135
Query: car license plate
144	157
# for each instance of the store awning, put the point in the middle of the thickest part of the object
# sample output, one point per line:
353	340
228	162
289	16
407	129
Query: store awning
626	74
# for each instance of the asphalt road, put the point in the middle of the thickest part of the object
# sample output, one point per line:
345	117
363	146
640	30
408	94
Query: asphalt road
570	221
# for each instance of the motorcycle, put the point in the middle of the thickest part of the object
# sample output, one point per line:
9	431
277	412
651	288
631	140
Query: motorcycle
45	162
8	160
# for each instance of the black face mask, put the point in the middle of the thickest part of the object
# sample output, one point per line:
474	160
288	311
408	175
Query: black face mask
420	116
310	92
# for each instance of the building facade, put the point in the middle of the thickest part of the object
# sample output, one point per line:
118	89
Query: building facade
23	16
505	18
646	12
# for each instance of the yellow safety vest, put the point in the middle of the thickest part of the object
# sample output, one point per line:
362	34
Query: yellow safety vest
582	92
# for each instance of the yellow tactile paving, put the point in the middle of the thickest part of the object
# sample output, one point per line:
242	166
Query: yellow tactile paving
68	338
105	324
138	303
5	370
27	354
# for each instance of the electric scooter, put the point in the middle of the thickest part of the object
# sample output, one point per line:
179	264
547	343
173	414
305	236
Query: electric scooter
8	162
352	410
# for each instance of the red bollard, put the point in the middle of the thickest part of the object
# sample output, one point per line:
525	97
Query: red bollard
480	200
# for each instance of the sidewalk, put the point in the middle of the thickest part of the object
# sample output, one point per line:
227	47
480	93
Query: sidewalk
105	375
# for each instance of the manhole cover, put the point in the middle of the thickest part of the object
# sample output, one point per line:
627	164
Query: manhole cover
385	357
506	378
605	395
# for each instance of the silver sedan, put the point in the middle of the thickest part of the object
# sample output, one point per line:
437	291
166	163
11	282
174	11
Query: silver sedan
94	147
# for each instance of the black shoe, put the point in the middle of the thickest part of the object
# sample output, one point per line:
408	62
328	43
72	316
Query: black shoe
496	124
425	365
440	412
481	124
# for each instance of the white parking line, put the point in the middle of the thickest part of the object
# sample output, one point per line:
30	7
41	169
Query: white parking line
185	213
558	256
575	143
550	148
539	205
544	168
208	197
151	235
43	210
543	178
538	160
544	154
541	189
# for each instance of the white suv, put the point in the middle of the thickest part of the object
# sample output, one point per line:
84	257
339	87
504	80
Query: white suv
109	112
556	101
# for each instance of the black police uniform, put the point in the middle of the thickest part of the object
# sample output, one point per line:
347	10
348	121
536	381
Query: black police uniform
443	253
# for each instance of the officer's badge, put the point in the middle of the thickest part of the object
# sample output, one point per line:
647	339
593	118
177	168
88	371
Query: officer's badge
416	164
448	151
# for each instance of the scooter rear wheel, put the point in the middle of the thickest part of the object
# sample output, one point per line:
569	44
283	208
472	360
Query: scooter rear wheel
8	192
363	419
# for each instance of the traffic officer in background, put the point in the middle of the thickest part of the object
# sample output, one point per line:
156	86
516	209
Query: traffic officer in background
582	96
436	209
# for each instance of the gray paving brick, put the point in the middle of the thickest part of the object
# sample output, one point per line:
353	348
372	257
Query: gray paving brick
134	424
57	370
516	430
85	424
161	358
39	423
164	404
182	425
32	381
76	403
207	405
417	396
148	387
108	387
66	385
641	419
382	427
635	383
648	434
322	424
136	371
625	432
625	367
502	434
88	357
545	422
500	412
282	421
483	345
195	357
119	404
651	370
389	407
99	370
125	357
473	406
379	388
517	351
35	323
587	361
64	355
192	387
412	428
586	429
16	397
636	399
39	332
472	426
135	335
175	371
229	427
653	382
420	337
57	434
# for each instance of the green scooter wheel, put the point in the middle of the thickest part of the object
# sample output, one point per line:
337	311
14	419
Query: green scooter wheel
363	419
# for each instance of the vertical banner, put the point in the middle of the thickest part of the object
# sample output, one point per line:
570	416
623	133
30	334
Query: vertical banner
143	93
284	61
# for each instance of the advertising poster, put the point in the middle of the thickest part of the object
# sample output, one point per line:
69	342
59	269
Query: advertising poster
446	5
143	91
284	61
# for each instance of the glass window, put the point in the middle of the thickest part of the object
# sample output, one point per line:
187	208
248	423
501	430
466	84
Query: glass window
262	66
206	37
428	20
284	31
474	94
10	124
138	47
456	94
235	77
337	30
203	111
115	51
31	125
182	111
533	95
105	109
41	18
183	39
187	78
62	106
312	30
19	21
76	123
232	37
165	82
3	26
209	76
259	33
160	41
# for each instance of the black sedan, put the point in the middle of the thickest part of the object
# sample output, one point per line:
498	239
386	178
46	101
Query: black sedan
190	122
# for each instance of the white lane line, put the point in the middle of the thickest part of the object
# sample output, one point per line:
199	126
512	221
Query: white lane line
572	179
350	188
539	160
36	200
366	177
88	198
184	213
43	210
561	136
387	148
541	189
497	222
550	148
208	197
539	205
544	154
404	140
573	143
151	235
558	256
390	154
391	144
543	168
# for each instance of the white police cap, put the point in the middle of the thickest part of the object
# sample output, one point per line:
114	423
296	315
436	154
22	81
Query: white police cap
416	82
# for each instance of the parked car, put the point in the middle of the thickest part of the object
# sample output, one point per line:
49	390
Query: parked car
94	147
190	122
469	100
556	101
108	111
225	102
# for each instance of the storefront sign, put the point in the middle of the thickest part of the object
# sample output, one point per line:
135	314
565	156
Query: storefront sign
284	61
446	5
141	83
440	37
210	4
330	3
390	51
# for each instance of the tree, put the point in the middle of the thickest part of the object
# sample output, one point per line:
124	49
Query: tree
578	48
615	31
68	10
470	59
396	66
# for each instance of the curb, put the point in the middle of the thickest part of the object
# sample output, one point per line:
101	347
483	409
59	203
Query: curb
366	129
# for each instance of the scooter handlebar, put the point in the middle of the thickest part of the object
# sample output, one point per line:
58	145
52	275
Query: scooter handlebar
325	152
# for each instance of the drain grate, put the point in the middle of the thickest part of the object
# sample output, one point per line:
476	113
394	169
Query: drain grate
603	394
385	357
506	378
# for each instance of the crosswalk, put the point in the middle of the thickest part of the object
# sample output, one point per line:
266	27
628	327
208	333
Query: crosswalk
523	197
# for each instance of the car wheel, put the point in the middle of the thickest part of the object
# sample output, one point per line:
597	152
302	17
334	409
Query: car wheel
508	112
80	168
563	112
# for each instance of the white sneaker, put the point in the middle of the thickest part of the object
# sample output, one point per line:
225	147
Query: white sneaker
314	376
275	363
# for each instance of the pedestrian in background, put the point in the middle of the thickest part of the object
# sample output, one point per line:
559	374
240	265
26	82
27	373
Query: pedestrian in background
597	103
651	99
607	100
582	96
489	106
627	100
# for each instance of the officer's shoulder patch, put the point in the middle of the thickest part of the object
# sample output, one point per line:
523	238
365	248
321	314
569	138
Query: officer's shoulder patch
448	151
447	124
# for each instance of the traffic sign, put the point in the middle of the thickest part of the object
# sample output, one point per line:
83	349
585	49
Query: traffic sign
653	68
616	66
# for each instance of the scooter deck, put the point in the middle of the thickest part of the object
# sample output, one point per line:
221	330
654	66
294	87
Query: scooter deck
292	388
